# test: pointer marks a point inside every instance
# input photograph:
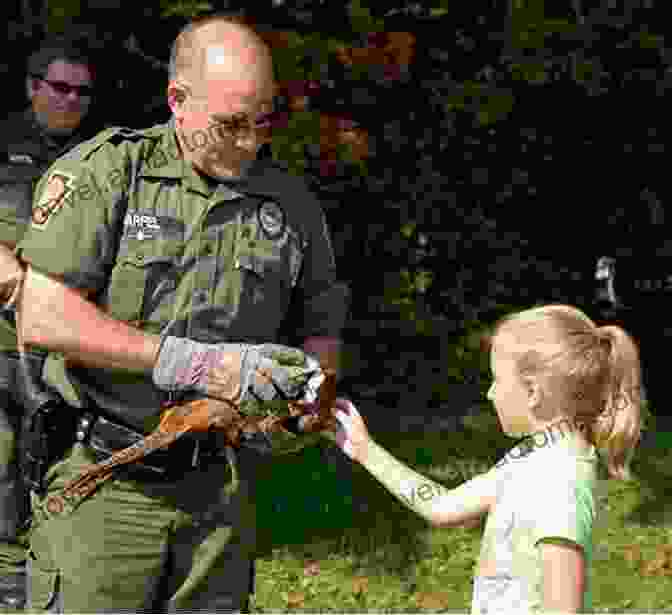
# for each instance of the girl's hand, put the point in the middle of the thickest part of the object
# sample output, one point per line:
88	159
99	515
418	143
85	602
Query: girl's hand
351	436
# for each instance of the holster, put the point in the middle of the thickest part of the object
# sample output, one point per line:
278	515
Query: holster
48	427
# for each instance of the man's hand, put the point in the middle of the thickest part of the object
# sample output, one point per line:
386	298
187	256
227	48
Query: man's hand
11	275
237	372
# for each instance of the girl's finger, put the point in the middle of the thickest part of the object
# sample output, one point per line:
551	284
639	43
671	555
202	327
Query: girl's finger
343	418
341	404
346	406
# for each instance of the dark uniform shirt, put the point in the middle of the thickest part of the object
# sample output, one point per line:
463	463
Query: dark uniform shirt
25	153
173	252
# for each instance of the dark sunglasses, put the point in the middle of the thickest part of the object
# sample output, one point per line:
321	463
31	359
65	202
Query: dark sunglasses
64	88
241	125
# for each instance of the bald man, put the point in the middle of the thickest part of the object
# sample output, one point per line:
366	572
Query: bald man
162	263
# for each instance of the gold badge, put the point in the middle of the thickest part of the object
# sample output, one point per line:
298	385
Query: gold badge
58	187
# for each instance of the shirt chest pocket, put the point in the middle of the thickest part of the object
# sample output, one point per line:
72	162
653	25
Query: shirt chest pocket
142	287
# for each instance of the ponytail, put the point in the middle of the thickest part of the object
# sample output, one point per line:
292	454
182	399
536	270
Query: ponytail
617	428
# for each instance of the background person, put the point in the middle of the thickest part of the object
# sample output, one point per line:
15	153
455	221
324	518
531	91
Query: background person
551	366
60	85
180	244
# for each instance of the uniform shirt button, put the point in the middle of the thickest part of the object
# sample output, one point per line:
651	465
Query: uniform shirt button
201	296
207	249
139	257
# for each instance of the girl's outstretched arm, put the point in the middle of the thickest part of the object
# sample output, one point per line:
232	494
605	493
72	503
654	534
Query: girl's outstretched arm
437	504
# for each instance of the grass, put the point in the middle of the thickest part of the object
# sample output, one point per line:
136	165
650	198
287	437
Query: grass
333	540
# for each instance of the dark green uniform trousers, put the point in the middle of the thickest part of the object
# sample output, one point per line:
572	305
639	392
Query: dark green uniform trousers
13	494
146	546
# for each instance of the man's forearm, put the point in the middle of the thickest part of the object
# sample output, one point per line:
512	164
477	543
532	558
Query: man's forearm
59	319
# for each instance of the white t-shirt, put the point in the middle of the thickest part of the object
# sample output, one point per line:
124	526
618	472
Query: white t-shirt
549	492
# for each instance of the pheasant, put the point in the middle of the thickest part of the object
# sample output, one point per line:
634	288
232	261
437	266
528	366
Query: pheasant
204	415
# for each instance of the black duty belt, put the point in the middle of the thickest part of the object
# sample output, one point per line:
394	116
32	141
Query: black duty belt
105	438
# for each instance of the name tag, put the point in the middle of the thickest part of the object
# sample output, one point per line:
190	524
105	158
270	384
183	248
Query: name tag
21	159
143	225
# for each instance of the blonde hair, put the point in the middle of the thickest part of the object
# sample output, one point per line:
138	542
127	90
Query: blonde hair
594	372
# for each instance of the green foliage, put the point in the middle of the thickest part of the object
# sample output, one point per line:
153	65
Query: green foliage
361	19
184	8
60	13
463	362
291	142
488	104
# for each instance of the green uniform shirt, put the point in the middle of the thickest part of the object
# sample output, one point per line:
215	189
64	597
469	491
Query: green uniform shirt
173	252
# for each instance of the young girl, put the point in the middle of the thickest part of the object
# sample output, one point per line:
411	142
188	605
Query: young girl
573	388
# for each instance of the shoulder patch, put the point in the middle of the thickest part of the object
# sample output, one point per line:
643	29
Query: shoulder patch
57	189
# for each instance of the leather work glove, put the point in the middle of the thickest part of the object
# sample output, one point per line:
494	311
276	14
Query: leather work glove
11	273
237	372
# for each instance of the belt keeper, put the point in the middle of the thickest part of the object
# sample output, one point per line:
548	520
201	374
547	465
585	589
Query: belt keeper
197	450
84	426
